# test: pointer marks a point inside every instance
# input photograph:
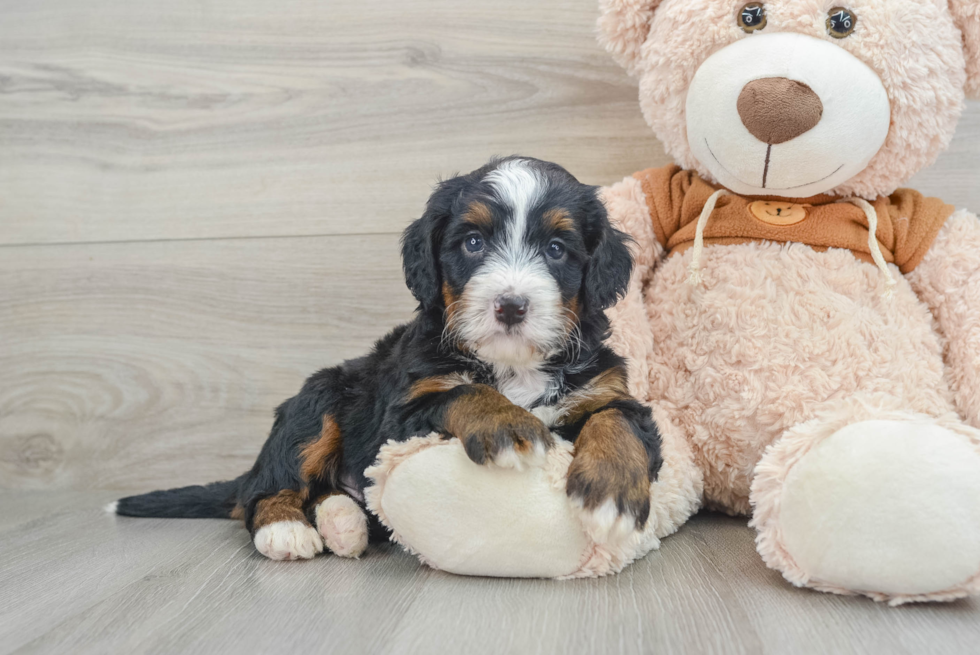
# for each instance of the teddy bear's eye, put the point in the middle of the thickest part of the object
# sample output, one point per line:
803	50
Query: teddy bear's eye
752	17
841	22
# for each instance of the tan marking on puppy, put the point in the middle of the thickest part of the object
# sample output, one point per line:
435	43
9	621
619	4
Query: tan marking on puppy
571	307
598	392
558	220
436	384
451	300
609	472
320	459
287	505
489	426
478	214
237	512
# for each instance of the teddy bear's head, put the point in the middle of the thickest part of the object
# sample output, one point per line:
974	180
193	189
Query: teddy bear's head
799	97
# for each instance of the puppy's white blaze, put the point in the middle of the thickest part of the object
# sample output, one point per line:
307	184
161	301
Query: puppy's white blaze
520	187
514	268
288	540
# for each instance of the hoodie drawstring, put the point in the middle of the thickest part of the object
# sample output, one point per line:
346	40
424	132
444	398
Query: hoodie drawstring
695	276
873	246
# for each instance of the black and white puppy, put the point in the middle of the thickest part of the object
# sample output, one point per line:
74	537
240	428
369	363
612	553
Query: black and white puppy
512	265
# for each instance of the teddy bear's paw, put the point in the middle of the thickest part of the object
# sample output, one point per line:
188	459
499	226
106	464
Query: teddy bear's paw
343	525
288	540
890	508
510	438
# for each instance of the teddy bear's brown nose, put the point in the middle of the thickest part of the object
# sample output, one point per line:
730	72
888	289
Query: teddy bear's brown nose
777	109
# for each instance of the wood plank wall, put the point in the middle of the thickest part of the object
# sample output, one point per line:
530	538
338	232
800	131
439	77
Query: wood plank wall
200	201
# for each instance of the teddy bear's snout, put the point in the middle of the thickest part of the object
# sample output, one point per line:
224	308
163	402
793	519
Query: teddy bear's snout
777	109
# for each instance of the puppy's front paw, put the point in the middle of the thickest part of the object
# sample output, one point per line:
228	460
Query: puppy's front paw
510	437
288	540
609	479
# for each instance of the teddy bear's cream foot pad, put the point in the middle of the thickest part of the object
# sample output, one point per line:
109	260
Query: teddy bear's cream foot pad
887	508
469	519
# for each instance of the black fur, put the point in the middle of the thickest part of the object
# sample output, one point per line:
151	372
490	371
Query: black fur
371	398
210	501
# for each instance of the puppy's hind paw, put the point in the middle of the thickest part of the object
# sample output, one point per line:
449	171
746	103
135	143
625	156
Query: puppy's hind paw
287	540
343	525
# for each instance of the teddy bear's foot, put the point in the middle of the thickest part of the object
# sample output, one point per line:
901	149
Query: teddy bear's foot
343	525
888	508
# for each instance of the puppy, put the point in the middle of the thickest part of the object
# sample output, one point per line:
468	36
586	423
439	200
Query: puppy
512	265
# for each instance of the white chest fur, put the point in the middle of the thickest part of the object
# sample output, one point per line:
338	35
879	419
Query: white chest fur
522	386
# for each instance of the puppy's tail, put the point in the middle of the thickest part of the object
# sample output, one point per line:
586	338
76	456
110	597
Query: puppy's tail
211	501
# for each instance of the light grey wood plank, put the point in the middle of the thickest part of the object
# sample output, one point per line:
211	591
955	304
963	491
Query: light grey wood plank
955	177
206	591
670	602
124	121
788	619
159	363
81	581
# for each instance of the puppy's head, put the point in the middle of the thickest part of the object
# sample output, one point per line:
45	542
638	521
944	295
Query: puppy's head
516	254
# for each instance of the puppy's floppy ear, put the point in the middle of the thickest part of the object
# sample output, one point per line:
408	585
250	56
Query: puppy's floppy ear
420	243
623	28
966	15
610	262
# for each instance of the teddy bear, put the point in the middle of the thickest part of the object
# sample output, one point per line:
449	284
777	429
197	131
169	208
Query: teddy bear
806	332
811	328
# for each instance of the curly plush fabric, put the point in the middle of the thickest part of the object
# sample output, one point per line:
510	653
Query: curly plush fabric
966	13
948	282
916	48
515	523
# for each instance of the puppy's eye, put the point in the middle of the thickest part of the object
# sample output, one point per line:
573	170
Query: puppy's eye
841	22
555	249
752	17
473	243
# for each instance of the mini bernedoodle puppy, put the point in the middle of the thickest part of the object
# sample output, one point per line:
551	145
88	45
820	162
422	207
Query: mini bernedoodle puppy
512	265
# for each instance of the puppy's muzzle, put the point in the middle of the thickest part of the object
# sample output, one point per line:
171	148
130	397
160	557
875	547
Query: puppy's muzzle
510	310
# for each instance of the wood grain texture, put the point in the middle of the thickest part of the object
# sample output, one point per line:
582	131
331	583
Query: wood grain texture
159	363
201	183
77	580
123	121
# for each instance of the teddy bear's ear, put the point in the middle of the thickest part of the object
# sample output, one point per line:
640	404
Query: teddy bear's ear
966	14
624	25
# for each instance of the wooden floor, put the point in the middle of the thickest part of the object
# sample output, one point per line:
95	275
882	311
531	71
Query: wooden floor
76	580
200	203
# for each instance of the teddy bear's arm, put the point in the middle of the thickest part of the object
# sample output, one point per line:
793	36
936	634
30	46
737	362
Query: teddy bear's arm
948	282
631	334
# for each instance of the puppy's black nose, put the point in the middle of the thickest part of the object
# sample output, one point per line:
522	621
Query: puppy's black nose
510	310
